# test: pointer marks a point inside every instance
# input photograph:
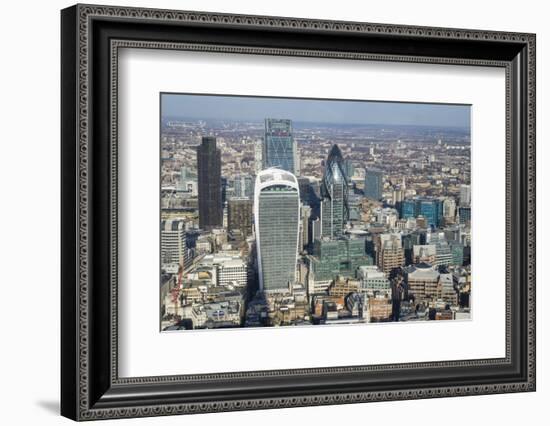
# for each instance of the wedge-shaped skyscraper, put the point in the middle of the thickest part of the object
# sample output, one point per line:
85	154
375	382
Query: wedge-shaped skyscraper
279	145
277	222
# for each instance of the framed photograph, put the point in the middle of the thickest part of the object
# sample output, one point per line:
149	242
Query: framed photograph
264	212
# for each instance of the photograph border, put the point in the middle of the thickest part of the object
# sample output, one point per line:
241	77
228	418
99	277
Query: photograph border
91	37
232	95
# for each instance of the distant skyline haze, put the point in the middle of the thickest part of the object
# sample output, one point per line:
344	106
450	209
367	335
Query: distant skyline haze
250	108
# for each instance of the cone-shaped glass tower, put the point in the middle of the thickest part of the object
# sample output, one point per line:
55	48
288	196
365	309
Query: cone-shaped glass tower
334	195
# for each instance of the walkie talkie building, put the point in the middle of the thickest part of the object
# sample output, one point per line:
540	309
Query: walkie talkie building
277	221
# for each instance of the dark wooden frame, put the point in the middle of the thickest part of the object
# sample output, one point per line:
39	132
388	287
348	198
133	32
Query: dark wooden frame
90	386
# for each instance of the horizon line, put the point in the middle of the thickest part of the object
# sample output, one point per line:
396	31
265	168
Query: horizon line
320	122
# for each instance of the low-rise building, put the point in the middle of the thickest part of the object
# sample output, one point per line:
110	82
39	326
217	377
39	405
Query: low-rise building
422	280
425	253
227	270
390	253
379	309
373	280
341	287
333	257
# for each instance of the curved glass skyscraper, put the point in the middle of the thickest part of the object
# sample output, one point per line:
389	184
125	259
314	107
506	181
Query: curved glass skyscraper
277	222
334	195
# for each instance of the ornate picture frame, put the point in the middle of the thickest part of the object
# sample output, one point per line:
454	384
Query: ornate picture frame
91	37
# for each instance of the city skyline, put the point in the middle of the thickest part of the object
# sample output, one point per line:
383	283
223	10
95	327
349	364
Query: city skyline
305	110
264	223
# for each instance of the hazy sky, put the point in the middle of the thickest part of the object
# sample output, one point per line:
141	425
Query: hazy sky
321	111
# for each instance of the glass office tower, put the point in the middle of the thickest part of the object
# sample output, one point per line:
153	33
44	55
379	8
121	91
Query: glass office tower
464	215
279	145
243	185
374	183
277	226
338	257
334	195
209	169
431	209
407	209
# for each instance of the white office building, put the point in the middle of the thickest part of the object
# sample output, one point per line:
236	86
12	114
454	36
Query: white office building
226	269
465	195
173	246
449	208
277	227
372	279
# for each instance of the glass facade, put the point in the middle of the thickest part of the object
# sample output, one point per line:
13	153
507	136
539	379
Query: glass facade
457	251
430	209
350	169
334	194
243	186
464	215
279	145
354	202
374	183
338	257
407	209
443	253
277	211
209	169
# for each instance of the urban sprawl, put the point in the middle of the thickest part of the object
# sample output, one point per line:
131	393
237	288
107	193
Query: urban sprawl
278	223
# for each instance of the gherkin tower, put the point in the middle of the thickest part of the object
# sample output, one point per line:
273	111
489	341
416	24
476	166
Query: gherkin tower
334	195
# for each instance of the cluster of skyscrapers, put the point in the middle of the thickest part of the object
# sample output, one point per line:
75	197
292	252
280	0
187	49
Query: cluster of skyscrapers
266	245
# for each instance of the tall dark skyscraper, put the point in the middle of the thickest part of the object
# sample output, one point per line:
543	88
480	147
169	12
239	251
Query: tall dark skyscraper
209	168
334	195
279	145
374	183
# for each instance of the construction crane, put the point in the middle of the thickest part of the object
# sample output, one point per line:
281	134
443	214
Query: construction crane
175	292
